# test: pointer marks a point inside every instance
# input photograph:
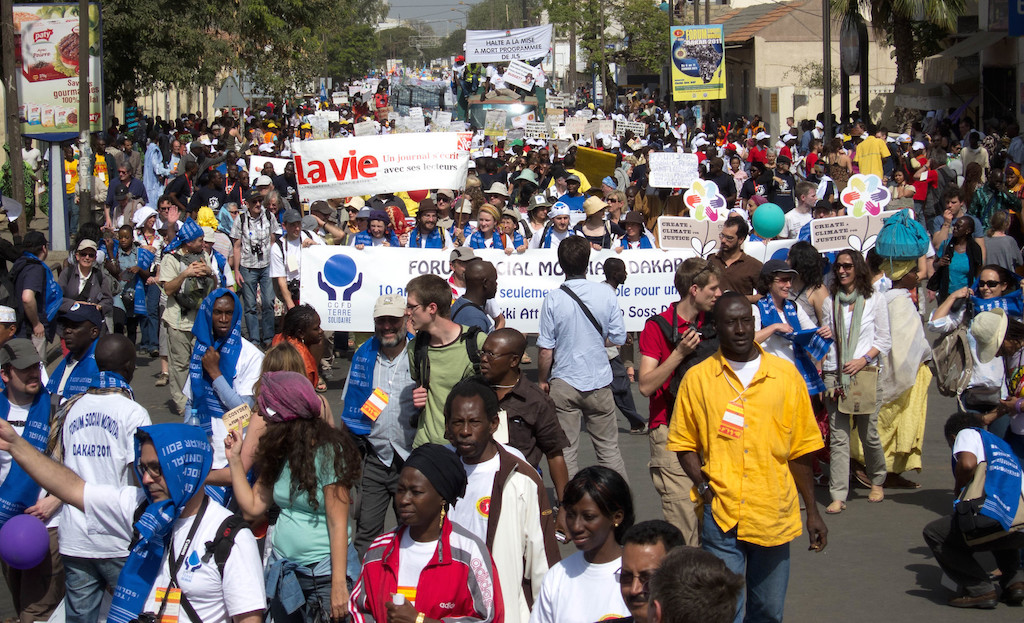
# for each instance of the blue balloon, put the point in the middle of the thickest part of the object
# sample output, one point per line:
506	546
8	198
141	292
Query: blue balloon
340	270
768	220
24	542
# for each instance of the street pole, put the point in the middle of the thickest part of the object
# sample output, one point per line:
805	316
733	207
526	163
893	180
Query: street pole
826	65
13	120
604	64
526	20
84	167
668	84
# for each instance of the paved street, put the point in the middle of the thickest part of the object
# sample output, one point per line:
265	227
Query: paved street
876	565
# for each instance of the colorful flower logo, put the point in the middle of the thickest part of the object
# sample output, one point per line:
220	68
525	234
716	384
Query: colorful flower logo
705	201
864	195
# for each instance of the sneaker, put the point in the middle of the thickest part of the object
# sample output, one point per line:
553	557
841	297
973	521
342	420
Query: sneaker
639	430
162	379
154	353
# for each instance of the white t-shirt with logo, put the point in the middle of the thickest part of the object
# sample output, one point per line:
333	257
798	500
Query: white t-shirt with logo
472	510
99	446
575	591
111	510
413	557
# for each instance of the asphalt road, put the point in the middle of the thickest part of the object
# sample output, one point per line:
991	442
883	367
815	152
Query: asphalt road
876	566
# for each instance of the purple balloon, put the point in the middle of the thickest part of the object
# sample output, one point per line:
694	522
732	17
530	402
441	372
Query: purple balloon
24	542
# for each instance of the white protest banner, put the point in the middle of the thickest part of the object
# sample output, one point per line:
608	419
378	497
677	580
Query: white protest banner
554	116
517	134
536	130
672	170
365	128
342	283
494	46
330	115
520	121
442	118
256	164
576	125
847	232
637	128
416	111
494	123
367	165
560	100
339	98
519	74
764	250
606	126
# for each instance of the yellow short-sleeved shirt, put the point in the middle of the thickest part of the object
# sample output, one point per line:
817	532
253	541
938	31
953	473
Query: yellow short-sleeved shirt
870	154
754	489
71	176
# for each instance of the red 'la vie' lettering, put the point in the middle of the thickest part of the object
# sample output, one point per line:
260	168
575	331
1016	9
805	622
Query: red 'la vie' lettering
350	168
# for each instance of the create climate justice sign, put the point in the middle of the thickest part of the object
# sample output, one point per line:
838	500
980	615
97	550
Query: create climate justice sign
343	283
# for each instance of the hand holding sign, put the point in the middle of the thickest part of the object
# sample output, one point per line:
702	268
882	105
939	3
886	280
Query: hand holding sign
865	195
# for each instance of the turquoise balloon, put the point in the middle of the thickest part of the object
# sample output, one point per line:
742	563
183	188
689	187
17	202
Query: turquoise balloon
768	220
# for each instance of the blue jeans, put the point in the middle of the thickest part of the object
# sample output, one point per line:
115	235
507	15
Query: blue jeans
765	569
85	580
261	328
151	321
71	210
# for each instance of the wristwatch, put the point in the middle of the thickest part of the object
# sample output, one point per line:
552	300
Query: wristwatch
703	488
869	360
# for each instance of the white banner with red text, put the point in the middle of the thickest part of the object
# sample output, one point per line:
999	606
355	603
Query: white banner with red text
343	283
369	165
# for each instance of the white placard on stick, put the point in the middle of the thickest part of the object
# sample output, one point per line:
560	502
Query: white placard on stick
519	74
672	170
365	128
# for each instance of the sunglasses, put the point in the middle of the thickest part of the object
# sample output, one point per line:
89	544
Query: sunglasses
847	266
87	254
990	284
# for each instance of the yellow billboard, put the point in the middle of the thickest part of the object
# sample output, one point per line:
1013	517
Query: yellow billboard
698	62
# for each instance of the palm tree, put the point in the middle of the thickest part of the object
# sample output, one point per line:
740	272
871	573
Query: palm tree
897	17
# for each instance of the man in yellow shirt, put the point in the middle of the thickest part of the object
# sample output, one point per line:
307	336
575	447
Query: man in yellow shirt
71	188
744	431
870	152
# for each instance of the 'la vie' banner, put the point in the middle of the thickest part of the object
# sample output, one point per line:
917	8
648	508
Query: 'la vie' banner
368	165
343	283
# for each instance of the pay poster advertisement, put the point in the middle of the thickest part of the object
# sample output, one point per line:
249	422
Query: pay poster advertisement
46	46
698	62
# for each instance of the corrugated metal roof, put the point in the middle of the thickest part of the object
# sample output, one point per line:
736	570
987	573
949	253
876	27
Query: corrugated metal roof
743	24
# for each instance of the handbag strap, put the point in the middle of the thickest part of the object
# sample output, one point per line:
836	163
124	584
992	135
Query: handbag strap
586	310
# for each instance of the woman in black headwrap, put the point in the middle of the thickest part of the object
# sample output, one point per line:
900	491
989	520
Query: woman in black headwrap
427	569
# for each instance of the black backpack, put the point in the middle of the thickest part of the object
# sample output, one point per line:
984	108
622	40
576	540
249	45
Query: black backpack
708	346
421	361
219	548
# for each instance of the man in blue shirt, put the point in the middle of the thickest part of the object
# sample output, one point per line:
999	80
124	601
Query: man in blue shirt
578	320
573	198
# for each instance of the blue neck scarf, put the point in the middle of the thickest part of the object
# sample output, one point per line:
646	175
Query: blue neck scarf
476	241
1002	480
204	399
1012	303
187	232
81	377
146	259
54	293
18	490
224	220
360	386
433	240
645	243
185	458
807	344
112	380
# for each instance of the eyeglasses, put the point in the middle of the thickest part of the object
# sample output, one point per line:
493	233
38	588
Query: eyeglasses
846	266
153	469
486	354
86	254
626	578
614	201
165	208
990	284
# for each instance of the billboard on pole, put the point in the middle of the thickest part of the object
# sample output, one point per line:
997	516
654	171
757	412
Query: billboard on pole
46	47
698	62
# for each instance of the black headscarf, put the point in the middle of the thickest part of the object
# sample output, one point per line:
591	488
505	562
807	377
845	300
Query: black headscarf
442	468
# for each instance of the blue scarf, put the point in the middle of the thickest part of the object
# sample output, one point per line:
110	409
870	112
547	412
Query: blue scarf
645	243
476	241
146	259
112	380
221	262
81	377
360	386
185	457
224	220
364	238
1002	480
433	240
807	344
18	490
204	399
54	293
1012	303
467	231
187	232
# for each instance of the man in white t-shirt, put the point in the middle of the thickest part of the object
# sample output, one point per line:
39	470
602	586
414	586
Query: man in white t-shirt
209	592
505	504
286	258
25	405
953	547
554	233
806	197
97	436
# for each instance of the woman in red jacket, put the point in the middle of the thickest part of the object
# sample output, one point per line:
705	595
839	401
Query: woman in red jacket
429	568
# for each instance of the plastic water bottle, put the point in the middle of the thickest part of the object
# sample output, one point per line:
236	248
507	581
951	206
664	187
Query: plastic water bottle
398	599
193	418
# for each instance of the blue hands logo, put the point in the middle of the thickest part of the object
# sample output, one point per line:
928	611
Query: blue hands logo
340	271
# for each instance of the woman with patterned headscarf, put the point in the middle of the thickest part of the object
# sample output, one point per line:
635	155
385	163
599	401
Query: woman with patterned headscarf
306	468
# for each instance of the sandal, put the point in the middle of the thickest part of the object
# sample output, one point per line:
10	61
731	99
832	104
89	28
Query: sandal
835	507
321	386
162	379
896	481
876	495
